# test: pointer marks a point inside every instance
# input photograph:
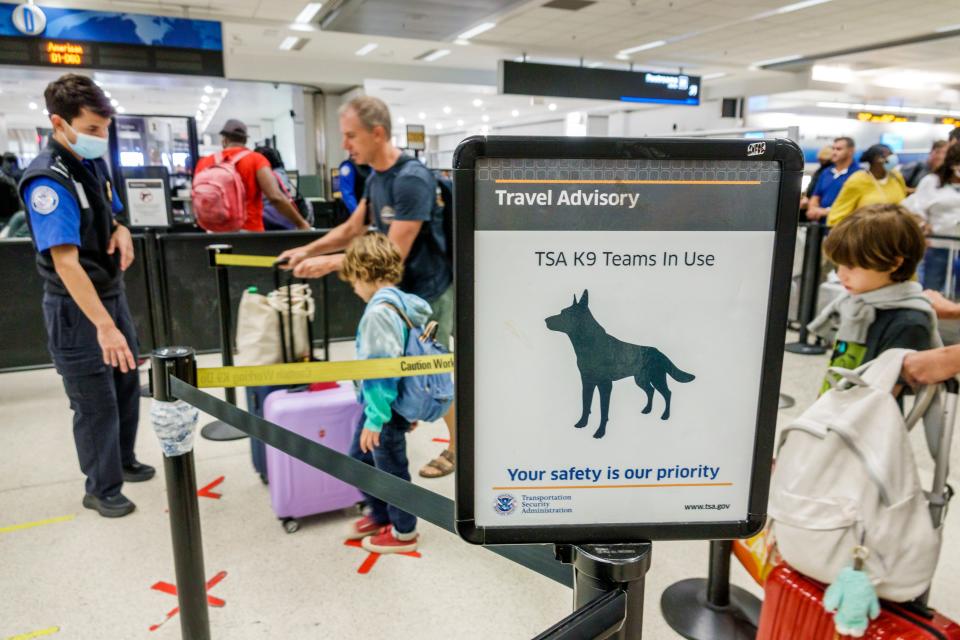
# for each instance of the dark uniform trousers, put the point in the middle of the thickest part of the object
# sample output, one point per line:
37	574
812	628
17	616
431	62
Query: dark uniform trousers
105	401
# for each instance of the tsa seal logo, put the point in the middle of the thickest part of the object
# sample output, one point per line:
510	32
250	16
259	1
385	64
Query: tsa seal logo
44	200
505	504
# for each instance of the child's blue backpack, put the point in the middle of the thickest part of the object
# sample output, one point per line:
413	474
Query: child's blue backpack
423	397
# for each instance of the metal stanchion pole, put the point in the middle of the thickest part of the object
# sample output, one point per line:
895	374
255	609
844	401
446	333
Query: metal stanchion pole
712	609
175	436
809	282
608	589
219	430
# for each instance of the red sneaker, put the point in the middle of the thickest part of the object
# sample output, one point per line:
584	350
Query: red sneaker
387	541
365	526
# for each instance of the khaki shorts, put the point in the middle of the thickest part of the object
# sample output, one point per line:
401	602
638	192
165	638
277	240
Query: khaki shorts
443	315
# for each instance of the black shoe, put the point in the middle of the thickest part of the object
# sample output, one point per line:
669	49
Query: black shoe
137	472
110	507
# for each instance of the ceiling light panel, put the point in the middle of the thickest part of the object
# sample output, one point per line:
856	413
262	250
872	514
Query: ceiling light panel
477	30
433	54
642	47
367	48
293	43
308	13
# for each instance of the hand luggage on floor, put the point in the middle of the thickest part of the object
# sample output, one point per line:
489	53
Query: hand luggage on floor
793	610
256	397
327	417
282	325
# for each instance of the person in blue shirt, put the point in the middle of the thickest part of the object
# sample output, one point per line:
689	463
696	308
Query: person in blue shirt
82	252
351	182
399	200
832	179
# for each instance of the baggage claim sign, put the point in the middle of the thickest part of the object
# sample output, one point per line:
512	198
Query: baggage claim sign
621	315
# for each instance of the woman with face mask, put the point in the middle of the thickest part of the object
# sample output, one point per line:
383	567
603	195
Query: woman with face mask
878	183
937	201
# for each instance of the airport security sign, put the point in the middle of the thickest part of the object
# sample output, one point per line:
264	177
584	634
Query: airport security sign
620	314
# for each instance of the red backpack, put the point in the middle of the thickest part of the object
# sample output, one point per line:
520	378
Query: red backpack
219	197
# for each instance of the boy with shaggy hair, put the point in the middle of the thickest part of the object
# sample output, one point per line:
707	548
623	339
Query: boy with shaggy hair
373	267
876	250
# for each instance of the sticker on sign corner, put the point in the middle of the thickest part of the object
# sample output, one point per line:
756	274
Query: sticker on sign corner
756	149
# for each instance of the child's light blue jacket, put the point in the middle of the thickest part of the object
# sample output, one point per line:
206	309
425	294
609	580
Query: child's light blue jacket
382	333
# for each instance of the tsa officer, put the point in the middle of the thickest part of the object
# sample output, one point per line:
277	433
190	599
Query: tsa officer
82	252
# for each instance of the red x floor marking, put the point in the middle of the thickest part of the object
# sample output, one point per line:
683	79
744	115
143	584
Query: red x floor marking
372	557
206	492
166	587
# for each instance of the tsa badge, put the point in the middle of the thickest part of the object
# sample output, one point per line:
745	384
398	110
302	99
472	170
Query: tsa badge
44	200
505	504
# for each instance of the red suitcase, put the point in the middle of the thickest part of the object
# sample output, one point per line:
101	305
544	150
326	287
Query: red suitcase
793	610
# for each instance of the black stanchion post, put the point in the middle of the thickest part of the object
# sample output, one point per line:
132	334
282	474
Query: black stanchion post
809	282
182	501
219	430
712	609
608	590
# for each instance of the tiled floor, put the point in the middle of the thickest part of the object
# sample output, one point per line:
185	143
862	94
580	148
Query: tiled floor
89	577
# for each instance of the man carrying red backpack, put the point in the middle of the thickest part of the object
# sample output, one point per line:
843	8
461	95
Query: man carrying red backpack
229	187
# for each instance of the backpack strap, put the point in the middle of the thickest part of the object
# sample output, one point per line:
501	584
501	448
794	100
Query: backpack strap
283	187
236	157
400	313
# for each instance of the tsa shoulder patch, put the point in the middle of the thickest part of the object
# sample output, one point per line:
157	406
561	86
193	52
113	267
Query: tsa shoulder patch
44	200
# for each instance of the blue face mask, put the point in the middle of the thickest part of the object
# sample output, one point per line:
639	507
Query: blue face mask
891	162
87	146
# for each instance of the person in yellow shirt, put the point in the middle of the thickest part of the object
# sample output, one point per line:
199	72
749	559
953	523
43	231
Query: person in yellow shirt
878	184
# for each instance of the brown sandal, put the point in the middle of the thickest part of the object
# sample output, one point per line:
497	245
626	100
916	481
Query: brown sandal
440	466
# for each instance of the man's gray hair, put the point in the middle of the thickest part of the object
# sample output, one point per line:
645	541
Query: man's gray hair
373	112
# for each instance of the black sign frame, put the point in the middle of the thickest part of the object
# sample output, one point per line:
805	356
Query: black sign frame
468	153
564	81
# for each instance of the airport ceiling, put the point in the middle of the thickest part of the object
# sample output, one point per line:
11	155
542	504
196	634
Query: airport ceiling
381	44
701	36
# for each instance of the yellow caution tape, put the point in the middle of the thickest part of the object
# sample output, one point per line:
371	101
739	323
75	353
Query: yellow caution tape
35	634
238	260
38	523
307	372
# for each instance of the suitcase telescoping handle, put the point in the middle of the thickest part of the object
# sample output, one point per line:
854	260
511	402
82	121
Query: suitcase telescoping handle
291	356
940	492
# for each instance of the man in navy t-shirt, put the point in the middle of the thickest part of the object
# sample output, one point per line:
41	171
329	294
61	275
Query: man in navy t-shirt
832	179
400	200
82	252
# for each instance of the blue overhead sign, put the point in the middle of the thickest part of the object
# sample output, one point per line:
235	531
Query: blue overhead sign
111	27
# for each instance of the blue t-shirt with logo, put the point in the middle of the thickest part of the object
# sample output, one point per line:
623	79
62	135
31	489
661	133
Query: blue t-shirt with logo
55	214
408	191
830	183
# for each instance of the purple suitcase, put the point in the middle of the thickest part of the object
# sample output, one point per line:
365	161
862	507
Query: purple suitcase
328	417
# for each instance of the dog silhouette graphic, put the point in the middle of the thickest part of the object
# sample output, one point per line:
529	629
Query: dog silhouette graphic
603	359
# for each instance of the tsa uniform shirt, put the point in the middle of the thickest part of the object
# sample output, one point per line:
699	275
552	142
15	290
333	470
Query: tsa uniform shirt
55	213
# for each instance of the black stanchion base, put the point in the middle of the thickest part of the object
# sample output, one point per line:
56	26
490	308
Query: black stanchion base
685	608
786	401
220	431
805	349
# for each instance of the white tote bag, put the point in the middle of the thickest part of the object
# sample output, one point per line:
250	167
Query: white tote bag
258	325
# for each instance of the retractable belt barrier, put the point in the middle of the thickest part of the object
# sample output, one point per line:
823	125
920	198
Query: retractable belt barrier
307	372
430	506
240	260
